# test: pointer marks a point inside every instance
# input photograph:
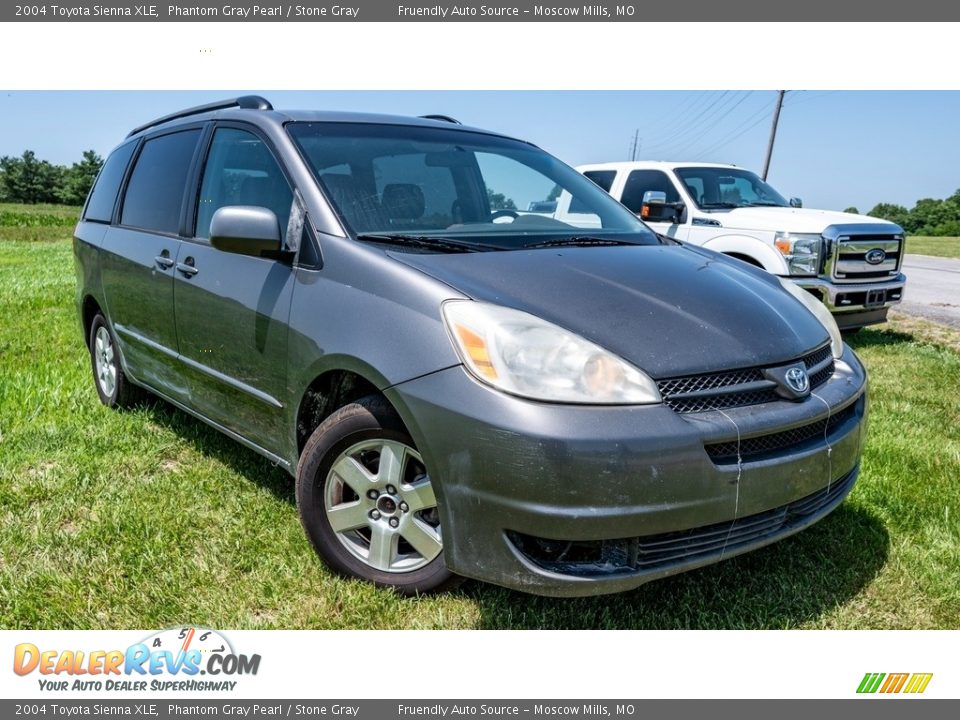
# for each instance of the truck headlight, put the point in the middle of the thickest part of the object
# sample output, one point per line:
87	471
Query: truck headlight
523	355
821	313
800	250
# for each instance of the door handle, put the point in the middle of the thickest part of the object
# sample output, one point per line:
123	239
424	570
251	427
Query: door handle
187	268
164	260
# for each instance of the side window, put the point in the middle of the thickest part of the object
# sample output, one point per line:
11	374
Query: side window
603	178
104	194
241	170
155	191
640	181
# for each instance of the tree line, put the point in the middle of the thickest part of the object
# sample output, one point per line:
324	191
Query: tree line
26	179
928	216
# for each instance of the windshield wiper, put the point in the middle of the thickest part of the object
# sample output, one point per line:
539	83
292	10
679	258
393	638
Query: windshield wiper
577	241
726	205
765	204
426	241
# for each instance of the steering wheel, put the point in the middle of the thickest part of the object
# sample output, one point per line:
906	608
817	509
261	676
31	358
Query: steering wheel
497	214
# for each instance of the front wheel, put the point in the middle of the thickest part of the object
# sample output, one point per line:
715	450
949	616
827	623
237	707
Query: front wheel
367	503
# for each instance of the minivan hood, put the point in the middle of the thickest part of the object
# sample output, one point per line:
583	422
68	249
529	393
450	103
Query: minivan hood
669	310
787	219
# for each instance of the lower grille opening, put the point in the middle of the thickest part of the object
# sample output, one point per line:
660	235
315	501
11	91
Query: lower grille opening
760	446
598	558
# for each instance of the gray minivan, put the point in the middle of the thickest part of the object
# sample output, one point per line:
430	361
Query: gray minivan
461	388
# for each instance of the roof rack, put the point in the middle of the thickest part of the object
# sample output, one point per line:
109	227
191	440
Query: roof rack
247	102
442	118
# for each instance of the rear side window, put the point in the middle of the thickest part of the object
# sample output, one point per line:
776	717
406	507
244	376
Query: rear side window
603	178
155	191
104	194
640	181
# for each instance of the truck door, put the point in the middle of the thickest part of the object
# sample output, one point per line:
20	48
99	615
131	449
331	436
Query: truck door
637	183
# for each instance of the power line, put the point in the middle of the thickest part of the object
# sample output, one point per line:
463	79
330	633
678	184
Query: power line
686	105
684	126
745	127
709	127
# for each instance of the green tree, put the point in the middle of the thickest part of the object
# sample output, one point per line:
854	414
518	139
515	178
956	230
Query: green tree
894	213
499	201
78	179
28	180
853	210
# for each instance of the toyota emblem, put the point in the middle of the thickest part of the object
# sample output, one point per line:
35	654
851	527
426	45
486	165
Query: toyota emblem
797	379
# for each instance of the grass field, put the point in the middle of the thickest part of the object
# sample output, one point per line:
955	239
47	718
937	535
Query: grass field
940	246
148	518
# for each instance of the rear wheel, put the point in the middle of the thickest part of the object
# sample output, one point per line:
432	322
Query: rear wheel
113	387
367	502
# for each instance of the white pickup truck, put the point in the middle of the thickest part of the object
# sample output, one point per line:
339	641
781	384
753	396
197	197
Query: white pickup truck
851	262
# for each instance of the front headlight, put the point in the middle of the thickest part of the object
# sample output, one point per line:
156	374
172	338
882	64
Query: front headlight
821	312
524	355
800	250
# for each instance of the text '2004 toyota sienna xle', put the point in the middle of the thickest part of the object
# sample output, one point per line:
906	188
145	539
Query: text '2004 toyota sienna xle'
461	386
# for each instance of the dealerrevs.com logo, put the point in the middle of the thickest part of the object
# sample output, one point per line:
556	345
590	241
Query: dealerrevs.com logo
178	659
892	683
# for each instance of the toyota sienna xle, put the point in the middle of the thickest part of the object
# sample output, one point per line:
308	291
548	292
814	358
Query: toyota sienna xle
461	386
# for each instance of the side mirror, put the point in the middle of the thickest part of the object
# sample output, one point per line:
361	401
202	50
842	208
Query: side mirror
796	202
246	230
655	208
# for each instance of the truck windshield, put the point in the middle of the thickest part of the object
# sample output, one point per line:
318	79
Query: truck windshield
721	187
427	182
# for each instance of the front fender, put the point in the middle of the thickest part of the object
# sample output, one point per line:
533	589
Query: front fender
758	250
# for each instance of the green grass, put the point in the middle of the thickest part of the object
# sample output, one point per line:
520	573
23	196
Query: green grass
148	518
939	246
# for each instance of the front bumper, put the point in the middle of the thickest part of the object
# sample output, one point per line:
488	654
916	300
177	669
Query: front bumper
507	468
856	304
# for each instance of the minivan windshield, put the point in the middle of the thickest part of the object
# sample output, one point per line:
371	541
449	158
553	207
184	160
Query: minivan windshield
718	188
428	183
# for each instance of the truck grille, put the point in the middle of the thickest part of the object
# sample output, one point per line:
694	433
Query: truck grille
852	254
598	558
737	388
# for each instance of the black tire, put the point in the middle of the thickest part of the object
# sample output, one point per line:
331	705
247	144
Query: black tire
368	419
121	393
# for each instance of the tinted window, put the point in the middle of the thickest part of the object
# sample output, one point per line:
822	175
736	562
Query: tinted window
241	170
640	181
155	191
603	178
104	195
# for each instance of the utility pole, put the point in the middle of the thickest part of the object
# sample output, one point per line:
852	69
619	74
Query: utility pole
635	146
773	132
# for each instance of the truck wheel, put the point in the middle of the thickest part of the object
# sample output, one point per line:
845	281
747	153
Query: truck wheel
113	387
366	501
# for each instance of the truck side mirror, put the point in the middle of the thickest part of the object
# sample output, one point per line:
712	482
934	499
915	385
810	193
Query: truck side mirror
655	208
796	202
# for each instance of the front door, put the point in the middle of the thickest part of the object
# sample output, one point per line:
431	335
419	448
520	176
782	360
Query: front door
232	310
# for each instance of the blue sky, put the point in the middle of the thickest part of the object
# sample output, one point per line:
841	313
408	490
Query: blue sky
834	149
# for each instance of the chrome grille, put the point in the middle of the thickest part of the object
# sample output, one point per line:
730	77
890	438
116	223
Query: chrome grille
850	252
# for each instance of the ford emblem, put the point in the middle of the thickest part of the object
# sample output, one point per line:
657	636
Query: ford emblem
875	256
